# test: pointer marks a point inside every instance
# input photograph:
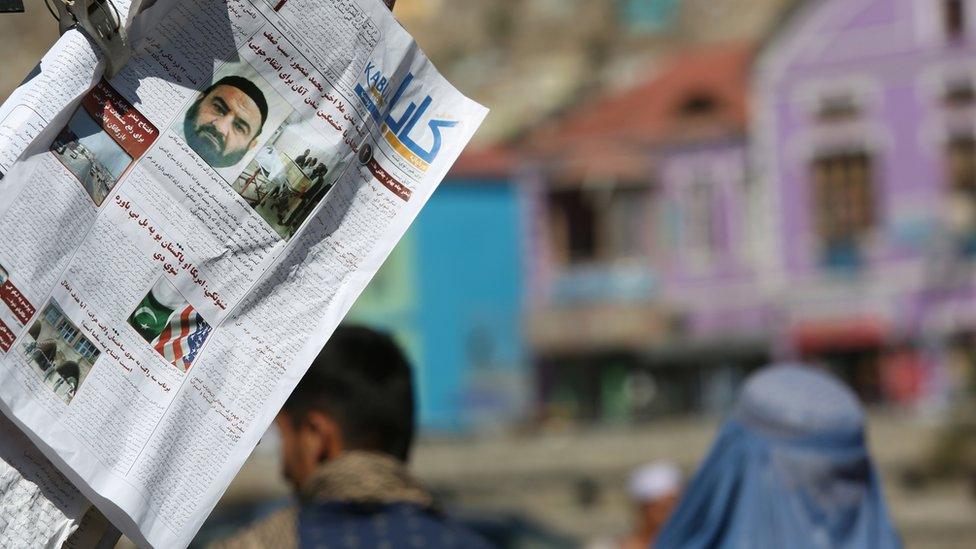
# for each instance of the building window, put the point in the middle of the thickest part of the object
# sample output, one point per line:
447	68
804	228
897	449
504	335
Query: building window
843	206
626	223
86	349
954	18
959	93
701	224
573	225
603	224
698	105
962	163
67	331
52	315
961	168
836	108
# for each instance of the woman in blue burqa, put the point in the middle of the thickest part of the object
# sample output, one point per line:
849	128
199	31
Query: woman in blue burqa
790	469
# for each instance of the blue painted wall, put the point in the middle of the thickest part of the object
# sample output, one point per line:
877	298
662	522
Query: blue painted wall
451	293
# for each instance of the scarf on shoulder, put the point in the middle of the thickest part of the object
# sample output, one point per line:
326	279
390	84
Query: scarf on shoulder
354	477
364	477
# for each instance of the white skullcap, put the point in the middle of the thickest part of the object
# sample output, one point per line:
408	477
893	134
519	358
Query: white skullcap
654	481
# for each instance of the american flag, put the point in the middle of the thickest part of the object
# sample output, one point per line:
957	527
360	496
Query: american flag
182	337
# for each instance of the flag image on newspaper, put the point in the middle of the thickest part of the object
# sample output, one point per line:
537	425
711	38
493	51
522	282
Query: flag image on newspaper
179	240
170	324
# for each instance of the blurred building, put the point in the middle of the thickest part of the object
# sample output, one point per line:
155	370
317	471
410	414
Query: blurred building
808	193
528	59
686	235
640	202
452	293
865	156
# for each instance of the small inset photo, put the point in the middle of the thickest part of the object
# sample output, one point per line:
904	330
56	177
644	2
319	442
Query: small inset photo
287	179
91	155
59	352
101	140
170	324
229	119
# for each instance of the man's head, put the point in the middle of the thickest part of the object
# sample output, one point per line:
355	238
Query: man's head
223	123
357	395
655	489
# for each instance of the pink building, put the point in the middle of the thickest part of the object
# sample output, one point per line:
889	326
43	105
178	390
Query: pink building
813	198
864	147
639	200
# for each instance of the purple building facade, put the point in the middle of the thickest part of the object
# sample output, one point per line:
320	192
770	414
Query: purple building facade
813	199
864	150
639	205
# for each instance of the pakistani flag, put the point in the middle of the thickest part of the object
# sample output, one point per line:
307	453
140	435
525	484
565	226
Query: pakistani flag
152	314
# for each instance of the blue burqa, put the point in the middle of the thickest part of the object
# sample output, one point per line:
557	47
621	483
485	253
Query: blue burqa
790	469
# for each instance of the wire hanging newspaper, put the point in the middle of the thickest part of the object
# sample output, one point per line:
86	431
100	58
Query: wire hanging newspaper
178	242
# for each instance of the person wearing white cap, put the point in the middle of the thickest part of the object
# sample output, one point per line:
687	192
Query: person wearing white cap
655	489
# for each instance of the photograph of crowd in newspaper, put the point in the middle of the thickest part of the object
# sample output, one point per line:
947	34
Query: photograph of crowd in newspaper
58	351
287	178
170	324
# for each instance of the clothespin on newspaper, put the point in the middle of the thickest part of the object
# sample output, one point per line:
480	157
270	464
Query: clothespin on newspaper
99	19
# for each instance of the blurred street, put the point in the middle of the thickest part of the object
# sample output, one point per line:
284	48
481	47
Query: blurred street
573	481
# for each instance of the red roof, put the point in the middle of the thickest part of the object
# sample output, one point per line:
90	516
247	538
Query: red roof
693	95
490	161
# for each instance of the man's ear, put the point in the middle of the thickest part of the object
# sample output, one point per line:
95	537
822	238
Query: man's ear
328	434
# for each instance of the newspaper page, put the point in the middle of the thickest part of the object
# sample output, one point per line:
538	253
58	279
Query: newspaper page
178	242
38	506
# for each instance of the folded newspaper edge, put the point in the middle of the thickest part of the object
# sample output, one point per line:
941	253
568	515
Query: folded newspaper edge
166	278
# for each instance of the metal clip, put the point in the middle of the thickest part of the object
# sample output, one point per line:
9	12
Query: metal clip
100	19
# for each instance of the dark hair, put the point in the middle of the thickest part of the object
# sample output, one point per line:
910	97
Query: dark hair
362	379
249	88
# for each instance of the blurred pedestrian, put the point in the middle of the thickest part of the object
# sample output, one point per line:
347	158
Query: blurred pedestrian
790	468
346	435
655	489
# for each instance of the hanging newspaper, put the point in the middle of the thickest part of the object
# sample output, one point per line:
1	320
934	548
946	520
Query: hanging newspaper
179	241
